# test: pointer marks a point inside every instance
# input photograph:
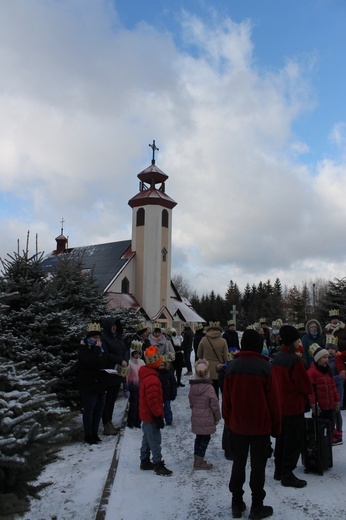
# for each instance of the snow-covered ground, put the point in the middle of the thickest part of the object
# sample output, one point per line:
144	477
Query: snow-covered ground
79	478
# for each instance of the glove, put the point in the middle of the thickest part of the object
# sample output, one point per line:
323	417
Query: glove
337	407
159	423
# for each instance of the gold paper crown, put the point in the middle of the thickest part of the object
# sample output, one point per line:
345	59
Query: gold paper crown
140	326
122	371
277	323
230	322
213	324
93	327
198	326
136	345
333	312
330	338
257	326
312	349
300	326
263	320
157	326
168	358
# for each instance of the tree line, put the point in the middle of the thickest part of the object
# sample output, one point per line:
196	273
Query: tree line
295	304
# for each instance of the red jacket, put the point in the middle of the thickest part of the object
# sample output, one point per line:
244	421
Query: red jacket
150	394
340	361
295	386
327	394
250	398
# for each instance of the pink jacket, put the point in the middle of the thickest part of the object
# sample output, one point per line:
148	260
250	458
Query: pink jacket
204	404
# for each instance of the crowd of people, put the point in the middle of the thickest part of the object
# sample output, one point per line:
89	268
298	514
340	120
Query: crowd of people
262	385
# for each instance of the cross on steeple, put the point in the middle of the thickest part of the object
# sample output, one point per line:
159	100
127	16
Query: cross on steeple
154	147
62	225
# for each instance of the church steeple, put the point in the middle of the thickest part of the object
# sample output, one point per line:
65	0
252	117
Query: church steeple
61	241
152	238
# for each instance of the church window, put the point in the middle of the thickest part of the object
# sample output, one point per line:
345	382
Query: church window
125	285
165	218
140	217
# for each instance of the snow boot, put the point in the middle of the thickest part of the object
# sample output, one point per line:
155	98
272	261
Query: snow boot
160	469
200	463
108	429
238	508
147	464
337	438
258	512
292	481
90	439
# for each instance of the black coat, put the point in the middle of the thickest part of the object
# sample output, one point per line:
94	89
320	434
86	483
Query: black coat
168	383
114	347
91	361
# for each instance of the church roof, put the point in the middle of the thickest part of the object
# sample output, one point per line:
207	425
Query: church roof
105	261
184	309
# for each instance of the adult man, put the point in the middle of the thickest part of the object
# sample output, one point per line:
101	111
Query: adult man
337	328
231	336
295	388
251	410
187	348
266	330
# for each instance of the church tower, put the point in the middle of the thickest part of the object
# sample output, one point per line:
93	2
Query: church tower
152	239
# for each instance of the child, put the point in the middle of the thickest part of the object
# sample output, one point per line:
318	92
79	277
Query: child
327	394
135	363
169	390
151	413
332	347
205	412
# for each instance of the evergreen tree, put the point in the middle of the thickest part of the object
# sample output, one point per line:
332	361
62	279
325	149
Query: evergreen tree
335	297
32	428
277	310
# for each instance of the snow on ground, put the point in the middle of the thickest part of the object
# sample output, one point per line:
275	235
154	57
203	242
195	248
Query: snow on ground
79	477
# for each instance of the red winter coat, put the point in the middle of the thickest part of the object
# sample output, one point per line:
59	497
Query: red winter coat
340	361
295	386
205	409
251	399
150	394
327	393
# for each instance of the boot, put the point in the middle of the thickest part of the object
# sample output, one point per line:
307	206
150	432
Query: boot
108	429
160	469
258	512
200	463
147	464
337	438
292	481
238	508
90	439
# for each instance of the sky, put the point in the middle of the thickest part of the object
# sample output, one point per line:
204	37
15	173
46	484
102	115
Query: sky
245	100
79	480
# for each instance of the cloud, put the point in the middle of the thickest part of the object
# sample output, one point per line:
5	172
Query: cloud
82	98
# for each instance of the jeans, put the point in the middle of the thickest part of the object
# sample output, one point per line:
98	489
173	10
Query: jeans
201	444
258	446
151	442
167	410
93	404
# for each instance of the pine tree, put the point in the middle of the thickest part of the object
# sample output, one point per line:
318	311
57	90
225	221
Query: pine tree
32	427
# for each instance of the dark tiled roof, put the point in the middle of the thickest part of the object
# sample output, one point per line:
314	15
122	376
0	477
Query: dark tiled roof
104	260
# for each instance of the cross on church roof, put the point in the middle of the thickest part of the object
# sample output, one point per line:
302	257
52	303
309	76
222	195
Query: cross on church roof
154	147
62	225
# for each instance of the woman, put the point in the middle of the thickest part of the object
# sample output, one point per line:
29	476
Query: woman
214	349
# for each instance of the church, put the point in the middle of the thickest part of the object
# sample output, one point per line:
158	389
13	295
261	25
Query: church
136	273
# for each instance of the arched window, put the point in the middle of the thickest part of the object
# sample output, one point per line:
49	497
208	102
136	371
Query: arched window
165	218
125	285
140	217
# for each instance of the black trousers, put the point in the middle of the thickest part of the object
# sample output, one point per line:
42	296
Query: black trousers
289	444
111	395
257	445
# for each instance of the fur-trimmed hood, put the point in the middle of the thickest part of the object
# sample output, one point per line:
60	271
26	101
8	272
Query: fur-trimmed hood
308	323
332	330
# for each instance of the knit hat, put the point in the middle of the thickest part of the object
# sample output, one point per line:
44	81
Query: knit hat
289	334
202	369
319	353
252	340
153	358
